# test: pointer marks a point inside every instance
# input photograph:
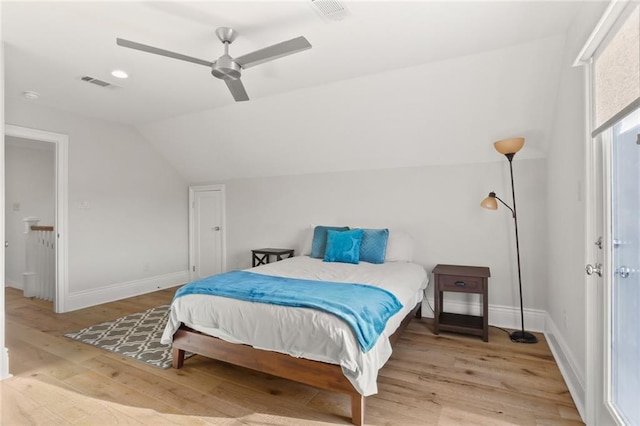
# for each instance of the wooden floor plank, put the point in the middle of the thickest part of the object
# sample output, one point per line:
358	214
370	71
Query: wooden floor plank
181	398
262	402
441	380
61	398
20	408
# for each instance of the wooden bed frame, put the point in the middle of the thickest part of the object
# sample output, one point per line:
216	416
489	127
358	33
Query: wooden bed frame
313	373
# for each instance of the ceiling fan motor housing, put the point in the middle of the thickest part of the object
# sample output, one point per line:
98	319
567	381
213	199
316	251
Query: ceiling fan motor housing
225	68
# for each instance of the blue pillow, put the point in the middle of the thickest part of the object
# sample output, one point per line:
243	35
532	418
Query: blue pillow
343	246
374	245
319	243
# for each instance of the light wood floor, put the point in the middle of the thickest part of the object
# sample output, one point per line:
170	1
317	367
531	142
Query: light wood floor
430	380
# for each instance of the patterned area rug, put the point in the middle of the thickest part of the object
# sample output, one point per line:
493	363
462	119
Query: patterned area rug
136	336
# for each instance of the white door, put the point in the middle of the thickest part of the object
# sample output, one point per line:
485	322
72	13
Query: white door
616	341
206	232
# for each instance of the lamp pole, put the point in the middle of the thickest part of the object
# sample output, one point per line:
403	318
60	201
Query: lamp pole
522	336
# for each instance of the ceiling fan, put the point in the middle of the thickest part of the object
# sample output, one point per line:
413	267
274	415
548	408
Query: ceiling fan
225	67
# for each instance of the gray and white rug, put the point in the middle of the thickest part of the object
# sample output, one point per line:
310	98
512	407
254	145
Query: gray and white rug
136	336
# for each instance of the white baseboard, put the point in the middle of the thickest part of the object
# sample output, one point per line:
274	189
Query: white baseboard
572	375
84	299
500	316
8	282
4	363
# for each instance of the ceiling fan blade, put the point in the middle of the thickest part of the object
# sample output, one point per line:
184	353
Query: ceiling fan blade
150	49
237	90
275	51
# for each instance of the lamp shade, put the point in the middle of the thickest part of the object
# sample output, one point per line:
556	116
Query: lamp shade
509	146
490	202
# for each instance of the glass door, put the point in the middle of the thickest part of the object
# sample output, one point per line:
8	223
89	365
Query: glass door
624	276
612	57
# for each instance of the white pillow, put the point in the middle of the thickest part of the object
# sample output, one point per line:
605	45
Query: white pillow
399	247
306	241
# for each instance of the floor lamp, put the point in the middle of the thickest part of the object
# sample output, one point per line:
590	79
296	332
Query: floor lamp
509	147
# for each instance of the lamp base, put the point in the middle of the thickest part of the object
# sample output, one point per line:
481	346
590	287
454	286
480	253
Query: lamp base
523	337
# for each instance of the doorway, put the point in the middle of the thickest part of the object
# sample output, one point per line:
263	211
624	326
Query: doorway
207	253
59	146
29	215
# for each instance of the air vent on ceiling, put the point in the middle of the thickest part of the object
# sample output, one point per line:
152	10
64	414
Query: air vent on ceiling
95	81
330	9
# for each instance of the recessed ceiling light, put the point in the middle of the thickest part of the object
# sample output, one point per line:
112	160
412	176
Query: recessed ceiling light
119	74
31	95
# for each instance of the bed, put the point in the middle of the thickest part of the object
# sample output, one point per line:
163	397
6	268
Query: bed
301	344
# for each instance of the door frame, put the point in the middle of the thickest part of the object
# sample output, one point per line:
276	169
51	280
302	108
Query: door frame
193	189
598	289
61	221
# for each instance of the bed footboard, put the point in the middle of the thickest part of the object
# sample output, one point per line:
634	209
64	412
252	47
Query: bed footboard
313	373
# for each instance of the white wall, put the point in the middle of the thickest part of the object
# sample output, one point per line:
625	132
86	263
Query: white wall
29	192
438	205
565	303
136	224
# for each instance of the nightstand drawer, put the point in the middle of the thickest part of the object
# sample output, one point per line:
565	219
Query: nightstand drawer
457	283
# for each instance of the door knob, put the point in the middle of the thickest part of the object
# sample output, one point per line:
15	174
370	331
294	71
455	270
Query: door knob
6	244
623	271
215	228
594	269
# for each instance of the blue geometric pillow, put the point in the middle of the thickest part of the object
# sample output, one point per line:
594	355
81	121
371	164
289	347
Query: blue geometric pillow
319	243
374	245
343	246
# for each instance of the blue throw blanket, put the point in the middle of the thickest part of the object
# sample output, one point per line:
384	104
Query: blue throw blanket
365	308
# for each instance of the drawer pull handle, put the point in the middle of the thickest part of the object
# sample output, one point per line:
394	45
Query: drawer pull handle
460	283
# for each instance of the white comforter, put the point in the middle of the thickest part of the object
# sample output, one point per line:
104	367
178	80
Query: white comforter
303	332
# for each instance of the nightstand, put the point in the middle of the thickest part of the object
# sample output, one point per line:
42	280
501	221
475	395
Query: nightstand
262	256
461	279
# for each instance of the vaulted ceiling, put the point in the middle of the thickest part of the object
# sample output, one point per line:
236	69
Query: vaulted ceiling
380	86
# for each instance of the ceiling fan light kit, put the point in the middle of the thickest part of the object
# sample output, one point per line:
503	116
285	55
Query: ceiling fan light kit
226	67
